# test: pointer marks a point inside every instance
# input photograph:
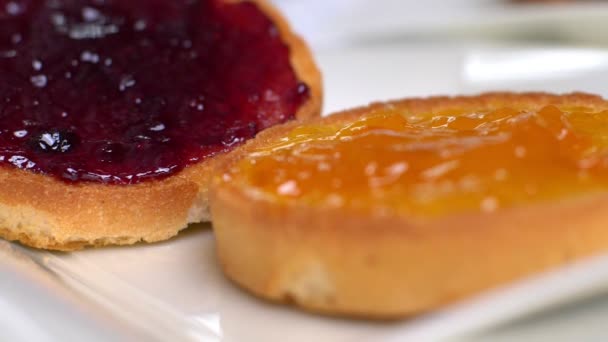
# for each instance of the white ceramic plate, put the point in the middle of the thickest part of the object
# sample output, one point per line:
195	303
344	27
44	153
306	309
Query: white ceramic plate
329	24
175	290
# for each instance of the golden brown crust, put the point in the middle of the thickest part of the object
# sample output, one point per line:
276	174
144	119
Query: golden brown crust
42	212
383	265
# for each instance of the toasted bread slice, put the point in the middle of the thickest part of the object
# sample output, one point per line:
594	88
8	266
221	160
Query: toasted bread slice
402	207
43	212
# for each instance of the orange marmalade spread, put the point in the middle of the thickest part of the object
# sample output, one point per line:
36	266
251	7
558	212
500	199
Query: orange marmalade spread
436	163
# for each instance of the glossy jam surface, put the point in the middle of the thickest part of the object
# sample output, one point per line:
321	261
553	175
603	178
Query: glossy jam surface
434	164
122	91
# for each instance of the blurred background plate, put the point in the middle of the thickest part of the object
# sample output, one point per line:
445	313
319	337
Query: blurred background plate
333	24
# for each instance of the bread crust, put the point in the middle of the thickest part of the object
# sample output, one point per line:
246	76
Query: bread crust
335	260
43	212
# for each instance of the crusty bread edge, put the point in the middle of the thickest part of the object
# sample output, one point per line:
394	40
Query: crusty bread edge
42	212
383	265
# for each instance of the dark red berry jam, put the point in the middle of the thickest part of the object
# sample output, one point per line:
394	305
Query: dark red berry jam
118	91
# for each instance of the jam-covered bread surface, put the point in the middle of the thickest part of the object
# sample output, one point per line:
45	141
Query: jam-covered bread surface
113	112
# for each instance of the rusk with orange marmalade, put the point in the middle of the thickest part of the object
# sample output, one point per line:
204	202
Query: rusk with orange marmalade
402	207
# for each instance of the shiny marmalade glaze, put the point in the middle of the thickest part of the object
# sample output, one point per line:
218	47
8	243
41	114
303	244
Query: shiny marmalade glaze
431	164
119	92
